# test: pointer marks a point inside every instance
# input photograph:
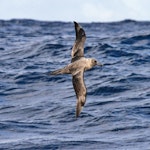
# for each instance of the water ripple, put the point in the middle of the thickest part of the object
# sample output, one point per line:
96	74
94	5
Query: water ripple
37	111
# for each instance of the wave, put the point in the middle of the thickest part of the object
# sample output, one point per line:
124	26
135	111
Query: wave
136	38
108	90
34	104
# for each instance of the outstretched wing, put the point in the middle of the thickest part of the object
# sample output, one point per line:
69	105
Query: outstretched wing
78	47
80	90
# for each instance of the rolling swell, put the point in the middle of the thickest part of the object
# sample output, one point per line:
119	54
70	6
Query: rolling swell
137	38
37	111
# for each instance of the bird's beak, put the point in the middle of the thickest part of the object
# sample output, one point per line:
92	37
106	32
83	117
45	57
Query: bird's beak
99	64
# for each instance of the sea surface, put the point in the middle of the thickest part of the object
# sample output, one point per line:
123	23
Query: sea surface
37	111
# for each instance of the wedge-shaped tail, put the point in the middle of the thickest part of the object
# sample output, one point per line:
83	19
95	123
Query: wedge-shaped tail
56	72
64	70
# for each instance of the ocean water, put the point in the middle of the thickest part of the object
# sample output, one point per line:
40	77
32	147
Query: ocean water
37	111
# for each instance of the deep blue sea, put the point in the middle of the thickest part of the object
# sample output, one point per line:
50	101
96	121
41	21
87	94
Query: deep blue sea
37	111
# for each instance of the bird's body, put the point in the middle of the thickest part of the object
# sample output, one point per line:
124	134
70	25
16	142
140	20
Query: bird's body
78	65
73	68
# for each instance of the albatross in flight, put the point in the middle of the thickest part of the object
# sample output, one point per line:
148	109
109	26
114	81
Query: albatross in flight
78	65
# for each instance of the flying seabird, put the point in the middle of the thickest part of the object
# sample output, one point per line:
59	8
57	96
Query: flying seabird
78	65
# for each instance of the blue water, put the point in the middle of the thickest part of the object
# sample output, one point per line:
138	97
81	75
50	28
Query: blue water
37	111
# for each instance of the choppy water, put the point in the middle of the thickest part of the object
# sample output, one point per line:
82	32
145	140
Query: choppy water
38	111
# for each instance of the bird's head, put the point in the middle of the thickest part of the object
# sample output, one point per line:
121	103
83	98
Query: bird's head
94	62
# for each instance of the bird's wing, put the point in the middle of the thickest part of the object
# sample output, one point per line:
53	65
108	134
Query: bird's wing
78	47
80	90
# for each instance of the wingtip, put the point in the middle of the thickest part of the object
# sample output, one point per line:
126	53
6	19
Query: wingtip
78	109
75	22
77	114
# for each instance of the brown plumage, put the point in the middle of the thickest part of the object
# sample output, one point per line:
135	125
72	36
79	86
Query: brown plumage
78	65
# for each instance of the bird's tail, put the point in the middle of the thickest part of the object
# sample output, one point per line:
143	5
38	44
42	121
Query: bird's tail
60	71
